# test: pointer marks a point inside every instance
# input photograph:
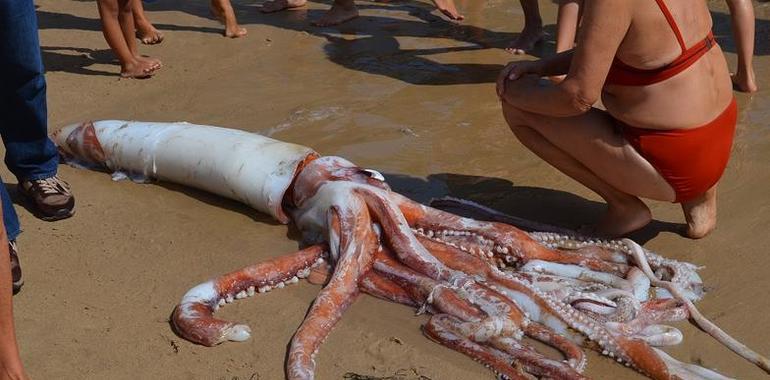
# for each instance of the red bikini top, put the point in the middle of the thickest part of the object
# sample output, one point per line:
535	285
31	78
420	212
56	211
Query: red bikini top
623	74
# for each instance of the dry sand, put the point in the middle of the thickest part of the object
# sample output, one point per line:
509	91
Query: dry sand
399	90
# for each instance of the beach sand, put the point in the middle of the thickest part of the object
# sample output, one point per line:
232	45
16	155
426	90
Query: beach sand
399	90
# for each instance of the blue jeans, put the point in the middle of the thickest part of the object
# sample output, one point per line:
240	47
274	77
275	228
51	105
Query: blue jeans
30	154
10	220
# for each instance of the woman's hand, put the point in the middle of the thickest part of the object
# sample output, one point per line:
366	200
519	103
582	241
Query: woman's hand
514	71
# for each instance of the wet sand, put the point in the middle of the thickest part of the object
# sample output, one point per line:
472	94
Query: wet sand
399	90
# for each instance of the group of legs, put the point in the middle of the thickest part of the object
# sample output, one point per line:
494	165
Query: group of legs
124	21
568	20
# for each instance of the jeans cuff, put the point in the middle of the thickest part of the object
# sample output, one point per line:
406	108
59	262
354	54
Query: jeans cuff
12	235
37	176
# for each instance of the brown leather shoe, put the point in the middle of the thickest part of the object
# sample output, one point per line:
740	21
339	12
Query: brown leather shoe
15	267
51	197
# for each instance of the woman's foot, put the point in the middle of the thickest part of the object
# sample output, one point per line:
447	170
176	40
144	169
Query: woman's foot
140	68
527	40
701	214
621	219
147	33
745	81
337	15
279	5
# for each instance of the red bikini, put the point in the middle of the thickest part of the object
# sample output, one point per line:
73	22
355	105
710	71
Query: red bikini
691	160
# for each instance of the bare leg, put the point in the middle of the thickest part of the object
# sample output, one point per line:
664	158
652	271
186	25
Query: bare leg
533	29
566	24
588	149
145	32
126	20
111	12
223	10
701	214
742	19
279	5
342	11
566	28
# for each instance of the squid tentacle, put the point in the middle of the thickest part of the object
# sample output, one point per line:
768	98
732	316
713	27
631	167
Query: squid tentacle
702	322
193	316
509	243
355	242
443	329
576	358
377	285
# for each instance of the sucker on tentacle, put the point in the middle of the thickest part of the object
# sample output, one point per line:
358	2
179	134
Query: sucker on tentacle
487	283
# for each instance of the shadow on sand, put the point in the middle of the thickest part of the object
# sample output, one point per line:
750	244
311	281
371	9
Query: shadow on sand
376	50
553	207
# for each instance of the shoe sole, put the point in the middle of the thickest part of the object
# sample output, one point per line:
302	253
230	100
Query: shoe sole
55	217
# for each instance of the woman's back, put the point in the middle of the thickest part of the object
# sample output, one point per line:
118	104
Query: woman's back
687	99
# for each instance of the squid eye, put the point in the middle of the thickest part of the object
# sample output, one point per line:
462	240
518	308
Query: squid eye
374	174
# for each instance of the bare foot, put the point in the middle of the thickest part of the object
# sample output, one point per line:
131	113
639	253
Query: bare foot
279	5
701	214
527	40
140	68
224	12
622	219
337	15
156	63
448	8
147	33
235	31
745	81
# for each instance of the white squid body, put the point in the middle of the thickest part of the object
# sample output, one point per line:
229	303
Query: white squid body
235	164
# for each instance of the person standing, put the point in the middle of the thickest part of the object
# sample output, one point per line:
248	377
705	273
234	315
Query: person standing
30	155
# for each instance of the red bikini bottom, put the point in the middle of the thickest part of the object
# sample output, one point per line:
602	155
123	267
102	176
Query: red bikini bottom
690	160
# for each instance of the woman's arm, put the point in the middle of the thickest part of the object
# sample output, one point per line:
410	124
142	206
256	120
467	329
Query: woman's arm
605	23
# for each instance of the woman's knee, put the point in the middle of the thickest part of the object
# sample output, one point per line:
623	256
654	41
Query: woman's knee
516	118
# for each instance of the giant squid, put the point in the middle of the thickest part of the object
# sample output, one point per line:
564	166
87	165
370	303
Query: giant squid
485	283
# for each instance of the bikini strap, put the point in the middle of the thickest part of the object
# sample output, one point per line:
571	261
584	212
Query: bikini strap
672	23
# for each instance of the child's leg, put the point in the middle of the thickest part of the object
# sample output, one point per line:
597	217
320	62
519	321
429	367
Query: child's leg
225	13
126	20
533	28
742	18
145	32
130	66
342	10
566	24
